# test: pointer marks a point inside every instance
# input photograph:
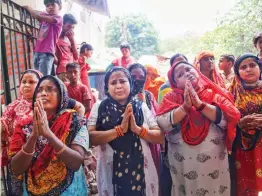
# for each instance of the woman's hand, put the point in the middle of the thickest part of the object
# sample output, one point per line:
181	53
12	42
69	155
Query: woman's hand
126	116
187	100
193	96
133	126
252	121
43	126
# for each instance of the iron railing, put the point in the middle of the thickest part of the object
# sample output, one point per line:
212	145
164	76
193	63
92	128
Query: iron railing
18	37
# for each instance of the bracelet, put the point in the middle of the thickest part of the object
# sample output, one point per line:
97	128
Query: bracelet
27	153
201	107
143	132
60	151
119	131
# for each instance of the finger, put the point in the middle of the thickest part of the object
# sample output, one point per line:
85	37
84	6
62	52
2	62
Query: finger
38	116
40	111
35	113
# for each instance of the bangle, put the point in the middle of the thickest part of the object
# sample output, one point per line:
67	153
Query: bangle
201	107
27	153
60	151
143	132
119	131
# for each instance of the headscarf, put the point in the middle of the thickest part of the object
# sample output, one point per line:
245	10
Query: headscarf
127	149
195	126
153	80
248	101
216	78
47	175
138	85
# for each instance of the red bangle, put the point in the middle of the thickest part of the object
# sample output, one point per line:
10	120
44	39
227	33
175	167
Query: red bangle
201	107
143	132
119	131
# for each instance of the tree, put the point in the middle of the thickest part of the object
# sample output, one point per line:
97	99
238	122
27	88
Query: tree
140	33
233	34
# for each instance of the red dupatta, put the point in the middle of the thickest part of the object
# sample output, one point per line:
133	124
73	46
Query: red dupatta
195	125
47	173
216	78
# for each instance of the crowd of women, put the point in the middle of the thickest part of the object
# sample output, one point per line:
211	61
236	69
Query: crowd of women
202	139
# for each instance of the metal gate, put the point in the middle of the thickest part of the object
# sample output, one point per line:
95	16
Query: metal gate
18	37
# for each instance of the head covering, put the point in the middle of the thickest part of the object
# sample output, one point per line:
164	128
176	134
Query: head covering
64	98
194	133
126	148
38	74
140	84
153	80
216	78
41	177
242	58
248	100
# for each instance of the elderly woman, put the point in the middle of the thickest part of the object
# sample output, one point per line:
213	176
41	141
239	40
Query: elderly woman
247	91
204	62
47	151
200	120
122	126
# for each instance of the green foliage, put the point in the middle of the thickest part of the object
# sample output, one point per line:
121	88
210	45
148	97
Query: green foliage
233	34
141	34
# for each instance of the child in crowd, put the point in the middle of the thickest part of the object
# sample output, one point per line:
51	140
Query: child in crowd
86	52
76	89
226	63
257	41
66	51
49	32
95	94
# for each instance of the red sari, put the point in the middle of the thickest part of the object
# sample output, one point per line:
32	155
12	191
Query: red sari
248	163
195	126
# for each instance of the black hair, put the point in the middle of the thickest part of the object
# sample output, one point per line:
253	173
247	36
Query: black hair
59	2
72	65
69	18
125	45
136	65
256	38
228	57
174	57
85	46
36	73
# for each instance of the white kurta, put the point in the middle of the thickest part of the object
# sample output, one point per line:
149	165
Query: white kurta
199	170
105	159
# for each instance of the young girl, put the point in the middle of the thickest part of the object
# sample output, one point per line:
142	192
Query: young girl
18	109
86	52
